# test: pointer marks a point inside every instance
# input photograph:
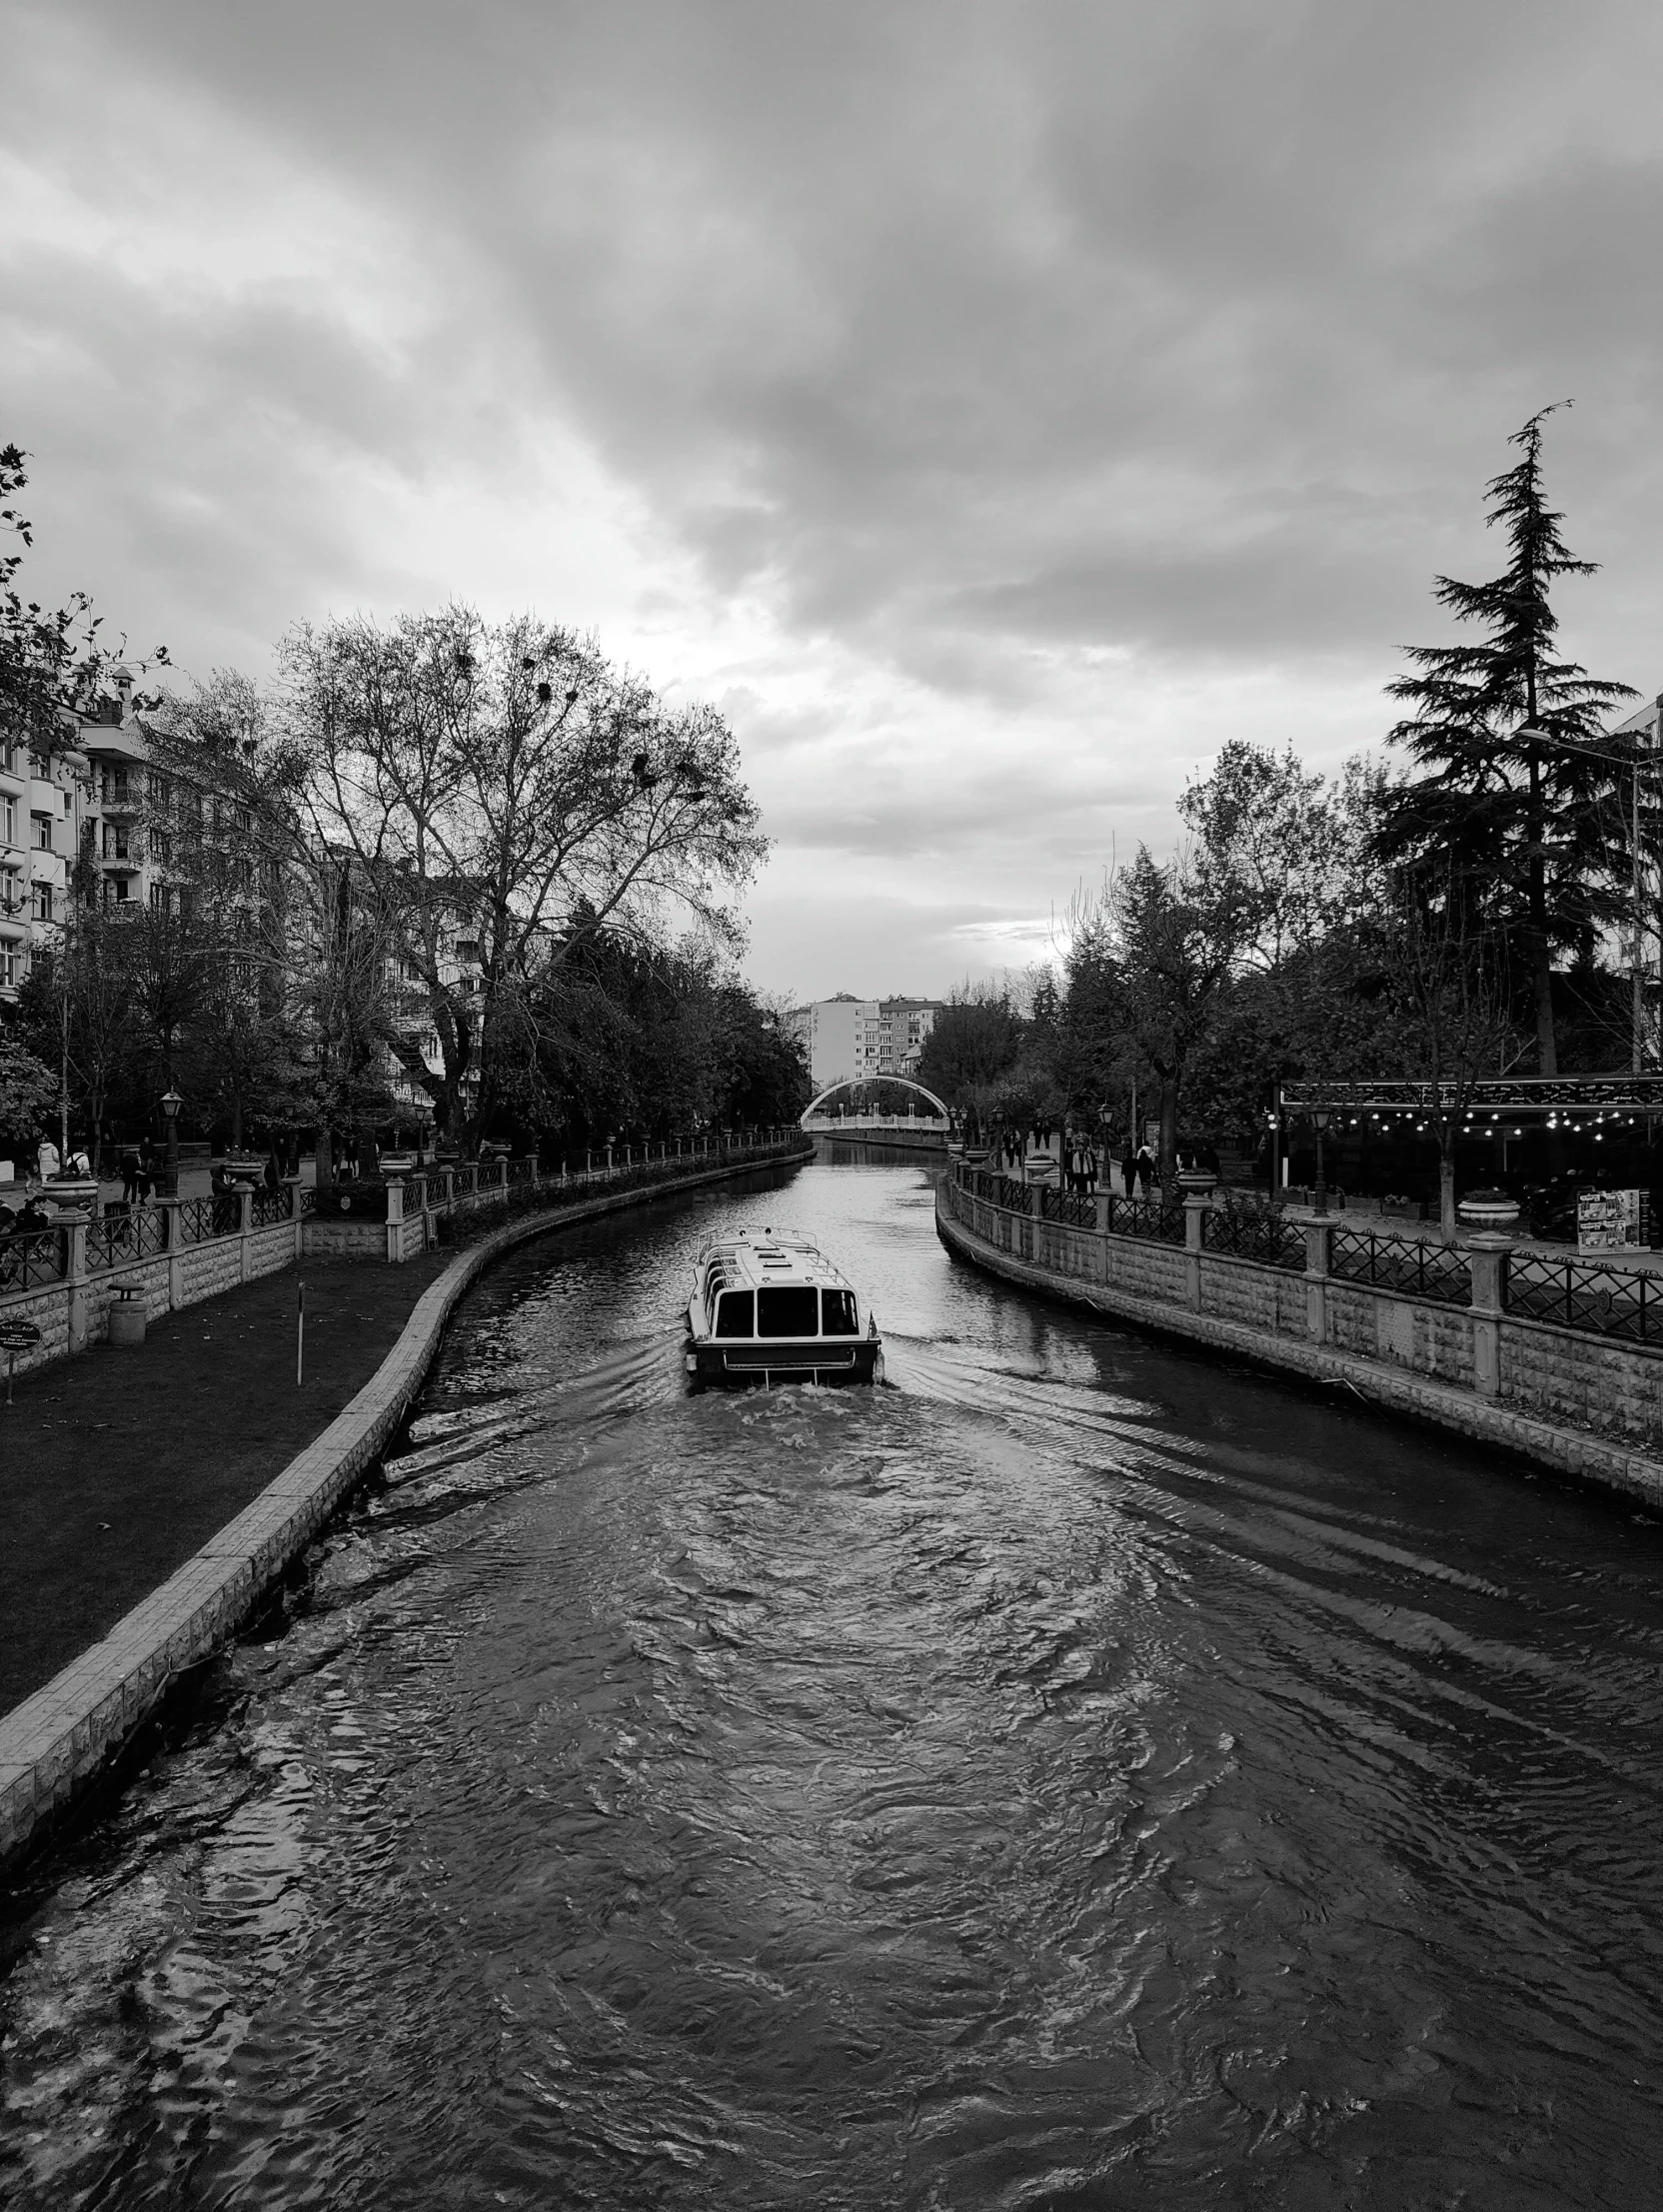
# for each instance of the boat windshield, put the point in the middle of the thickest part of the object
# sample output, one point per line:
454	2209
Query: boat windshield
737	1313
787	1310
836	1312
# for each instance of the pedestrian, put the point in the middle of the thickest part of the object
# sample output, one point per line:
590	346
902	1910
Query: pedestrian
1091	1169
129	1173
1129	1168
1146	1169
274	1173
145	1178
46	1159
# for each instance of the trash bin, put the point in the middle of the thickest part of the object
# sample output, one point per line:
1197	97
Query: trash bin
127	1314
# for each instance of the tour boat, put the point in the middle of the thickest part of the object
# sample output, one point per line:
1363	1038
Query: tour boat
767	1308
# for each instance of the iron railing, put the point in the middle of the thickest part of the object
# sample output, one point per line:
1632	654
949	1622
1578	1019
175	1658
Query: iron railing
270	1208
1074	1209
1606	1302
1264	1234
1155	1220
126	1233
1434	1272
33	1257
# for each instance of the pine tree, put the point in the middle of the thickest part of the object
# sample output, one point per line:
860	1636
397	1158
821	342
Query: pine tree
1509	797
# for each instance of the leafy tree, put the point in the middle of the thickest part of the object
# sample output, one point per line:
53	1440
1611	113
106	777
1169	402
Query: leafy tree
502	785
976	1038
1501	729
28	1092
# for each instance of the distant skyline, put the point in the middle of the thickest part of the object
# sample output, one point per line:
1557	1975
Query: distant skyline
993	409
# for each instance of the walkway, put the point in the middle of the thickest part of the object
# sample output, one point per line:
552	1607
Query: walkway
119	1465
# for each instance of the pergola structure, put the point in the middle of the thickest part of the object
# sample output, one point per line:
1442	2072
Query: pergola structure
1541	1097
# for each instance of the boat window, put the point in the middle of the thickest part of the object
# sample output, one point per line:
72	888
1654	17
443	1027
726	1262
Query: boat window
788	1310
737	1315
836	1312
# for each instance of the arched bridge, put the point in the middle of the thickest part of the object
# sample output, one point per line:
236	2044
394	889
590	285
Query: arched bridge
866	1125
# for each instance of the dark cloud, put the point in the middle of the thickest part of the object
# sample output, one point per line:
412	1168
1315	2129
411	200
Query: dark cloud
1013	369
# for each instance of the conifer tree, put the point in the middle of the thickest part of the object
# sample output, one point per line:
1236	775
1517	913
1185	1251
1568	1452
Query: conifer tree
1511	805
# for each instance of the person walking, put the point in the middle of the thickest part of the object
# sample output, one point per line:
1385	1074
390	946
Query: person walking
1146	1169
1128	1168
129	1173
46	1159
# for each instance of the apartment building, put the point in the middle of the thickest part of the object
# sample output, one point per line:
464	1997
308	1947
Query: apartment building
849	1040
41	813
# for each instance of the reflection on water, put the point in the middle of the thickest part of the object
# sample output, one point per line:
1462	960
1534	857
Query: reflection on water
1074	1774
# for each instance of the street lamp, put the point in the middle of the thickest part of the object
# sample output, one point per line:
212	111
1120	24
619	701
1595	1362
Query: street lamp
1319	1121
170	1102
1274	1126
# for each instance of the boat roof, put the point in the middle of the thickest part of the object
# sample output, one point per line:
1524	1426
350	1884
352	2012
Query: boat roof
757	1256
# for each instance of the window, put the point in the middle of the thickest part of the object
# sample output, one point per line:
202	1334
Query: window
8	754
787	1310
43	832
159	898
114	788
837	1309
7	821
11	898
161	847
41	901
40	767
161	790
116	835
9	970
736	1314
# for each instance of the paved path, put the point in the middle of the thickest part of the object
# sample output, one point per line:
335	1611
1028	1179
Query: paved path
115	1466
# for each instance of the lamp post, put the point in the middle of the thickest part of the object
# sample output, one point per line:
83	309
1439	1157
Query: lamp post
170	1102
1319	1121
1274	1124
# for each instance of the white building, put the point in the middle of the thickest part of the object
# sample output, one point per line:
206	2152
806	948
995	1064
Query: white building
852	1039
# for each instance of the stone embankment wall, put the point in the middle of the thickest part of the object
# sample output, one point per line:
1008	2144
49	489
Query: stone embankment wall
53	1745
1567	1397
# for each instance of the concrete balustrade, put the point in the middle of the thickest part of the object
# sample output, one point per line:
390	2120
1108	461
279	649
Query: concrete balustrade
1574	1398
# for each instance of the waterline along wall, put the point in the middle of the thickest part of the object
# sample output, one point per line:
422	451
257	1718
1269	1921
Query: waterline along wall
54	1744
1559	1360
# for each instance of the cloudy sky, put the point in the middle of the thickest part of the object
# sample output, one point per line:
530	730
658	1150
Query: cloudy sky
993	409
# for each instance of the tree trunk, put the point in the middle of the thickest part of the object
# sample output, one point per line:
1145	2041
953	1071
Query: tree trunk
1169	1129
236	1126
326	1157
1447	1187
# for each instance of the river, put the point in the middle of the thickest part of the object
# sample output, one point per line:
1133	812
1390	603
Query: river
1076	1774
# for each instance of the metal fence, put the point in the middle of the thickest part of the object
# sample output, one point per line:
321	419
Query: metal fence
1264	1234
1606	1302
1074	1209
270	1208
1155	1220
126	1235
1423	1271
34	1256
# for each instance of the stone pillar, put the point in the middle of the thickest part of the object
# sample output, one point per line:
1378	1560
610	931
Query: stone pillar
169	1210
75	1275
245	1226
1487	1258
502	1177
395	1220
1197	1206
1317	1235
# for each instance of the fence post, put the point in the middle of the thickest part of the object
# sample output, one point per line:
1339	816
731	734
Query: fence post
1317	1235
1487	1262
395	1219
1197	1206
171	1245
75	1275
245	1226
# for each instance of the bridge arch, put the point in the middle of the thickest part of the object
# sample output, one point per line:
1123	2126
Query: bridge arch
860	1083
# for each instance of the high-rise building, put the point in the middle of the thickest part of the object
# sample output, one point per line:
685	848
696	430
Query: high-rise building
849	1040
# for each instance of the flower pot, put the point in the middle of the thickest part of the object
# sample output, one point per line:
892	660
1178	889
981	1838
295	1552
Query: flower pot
1488	1209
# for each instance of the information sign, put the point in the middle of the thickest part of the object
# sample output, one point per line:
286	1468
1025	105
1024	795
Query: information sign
1613	1221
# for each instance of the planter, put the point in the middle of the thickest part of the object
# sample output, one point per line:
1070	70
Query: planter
1492	1211
1195	1182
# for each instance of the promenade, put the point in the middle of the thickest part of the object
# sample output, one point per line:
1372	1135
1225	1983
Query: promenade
119	1465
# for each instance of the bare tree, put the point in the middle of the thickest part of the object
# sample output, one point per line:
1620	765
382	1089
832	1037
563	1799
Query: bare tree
502	787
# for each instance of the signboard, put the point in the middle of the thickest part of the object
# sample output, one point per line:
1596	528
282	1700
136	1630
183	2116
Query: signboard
1613	1221
19	1336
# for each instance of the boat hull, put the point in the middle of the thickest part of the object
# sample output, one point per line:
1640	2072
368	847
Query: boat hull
714	1366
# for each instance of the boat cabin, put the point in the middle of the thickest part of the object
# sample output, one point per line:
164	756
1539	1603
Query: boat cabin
774	1306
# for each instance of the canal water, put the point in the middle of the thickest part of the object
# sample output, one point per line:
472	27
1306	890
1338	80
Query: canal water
1076	1774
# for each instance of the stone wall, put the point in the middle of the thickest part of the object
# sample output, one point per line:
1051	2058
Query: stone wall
1568	1399
1572	1378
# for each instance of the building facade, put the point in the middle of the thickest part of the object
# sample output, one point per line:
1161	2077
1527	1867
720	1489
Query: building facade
849	1040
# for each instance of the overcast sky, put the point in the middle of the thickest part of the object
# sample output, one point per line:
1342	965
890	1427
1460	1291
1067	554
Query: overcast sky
993	409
